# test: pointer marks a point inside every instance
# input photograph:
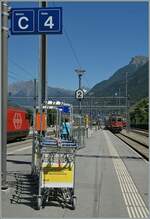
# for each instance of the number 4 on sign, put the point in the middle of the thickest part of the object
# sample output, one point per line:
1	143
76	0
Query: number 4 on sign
49	22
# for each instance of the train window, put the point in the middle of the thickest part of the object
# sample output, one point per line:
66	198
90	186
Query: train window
119	119
113	119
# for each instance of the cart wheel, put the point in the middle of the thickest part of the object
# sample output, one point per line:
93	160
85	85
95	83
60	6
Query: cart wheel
74	202
71	192
62	204
39	202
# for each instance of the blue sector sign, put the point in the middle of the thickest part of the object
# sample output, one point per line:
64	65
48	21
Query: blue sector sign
23	20
36	20
49	20
65	109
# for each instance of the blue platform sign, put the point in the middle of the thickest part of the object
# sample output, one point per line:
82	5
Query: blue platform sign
65	109
49	20
23	21
36	20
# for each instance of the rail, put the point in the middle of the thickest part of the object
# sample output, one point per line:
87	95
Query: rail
139	147
141	132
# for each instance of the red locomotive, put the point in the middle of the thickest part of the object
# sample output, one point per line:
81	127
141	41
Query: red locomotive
114	123
18	124
124	122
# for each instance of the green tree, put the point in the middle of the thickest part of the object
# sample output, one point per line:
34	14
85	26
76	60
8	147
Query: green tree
140	113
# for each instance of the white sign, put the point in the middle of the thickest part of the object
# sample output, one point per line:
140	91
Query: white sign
79	94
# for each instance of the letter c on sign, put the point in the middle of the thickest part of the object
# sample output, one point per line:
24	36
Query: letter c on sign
20	23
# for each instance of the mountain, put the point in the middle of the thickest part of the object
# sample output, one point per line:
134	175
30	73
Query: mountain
137	80
22	93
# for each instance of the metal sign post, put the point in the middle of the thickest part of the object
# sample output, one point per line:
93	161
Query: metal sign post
42	73
4	92
127	109
79	94
34	116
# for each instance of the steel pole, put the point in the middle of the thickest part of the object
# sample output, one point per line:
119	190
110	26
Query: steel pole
127	127
80	111
80	81
80	72
119	102
34	117
43	53
42	72
128	114
91	113
4	91
43	67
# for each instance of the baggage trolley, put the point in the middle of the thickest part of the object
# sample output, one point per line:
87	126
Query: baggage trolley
57	172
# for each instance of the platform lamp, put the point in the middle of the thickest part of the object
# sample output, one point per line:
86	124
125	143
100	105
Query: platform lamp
80	72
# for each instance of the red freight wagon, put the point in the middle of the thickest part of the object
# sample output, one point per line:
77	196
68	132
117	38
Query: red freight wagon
18	124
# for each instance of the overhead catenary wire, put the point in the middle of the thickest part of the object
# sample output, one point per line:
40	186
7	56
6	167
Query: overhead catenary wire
72	48
16	75
13	73
87	82
70	42
11	77
21	67
20	97
74	53
68	38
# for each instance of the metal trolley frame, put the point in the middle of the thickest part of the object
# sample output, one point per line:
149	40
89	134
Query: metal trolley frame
53	162
56	171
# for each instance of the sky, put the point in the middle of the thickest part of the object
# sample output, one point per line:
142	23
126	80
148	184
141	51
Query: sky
101	37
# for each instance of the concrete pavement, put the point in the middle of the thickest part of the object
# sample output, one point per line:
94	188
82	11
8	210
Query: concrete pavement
111	181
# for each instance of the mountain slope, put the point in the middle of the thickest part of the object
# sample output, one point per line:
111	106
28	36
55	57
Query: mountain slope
22	92
137	78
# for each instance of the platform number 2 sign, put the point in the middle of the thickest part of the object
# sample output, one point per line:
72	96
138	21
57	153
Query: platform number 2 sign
79	94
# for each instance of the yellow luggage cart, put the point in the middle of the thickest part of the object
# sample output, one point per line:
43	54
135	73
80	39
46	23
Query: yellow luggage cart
57	172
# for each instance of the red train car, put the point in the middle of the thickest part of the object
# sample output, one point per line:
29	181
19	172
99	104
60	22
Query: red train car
114	123
18	124
124	122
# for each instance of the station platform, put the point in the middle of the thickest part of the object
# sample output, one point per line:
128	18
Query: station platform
111	180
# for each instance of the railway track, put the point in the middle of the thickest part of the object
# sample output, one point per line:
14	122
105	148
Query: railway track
19	143
141	132
136	145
